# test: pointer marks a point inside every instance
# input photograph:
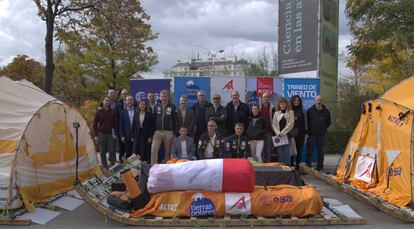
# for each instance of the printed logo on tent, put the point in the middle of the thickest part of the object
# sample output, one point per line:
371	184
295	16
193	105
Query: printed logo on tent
238	203
168	207
397	121
279	200
191	90
364	168
229	85
201	206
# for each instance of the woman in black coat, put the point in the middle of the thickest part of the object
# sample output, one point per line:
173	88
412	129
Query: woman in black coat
144	124
256	131
299	129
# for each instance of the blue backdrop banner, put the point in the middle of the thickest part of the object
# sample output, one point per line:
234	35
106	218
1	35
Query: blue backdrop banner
140	88
307	89
190	86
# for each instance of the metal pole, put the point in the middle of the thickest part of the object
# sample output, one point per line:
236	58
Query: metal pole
213	56
76	125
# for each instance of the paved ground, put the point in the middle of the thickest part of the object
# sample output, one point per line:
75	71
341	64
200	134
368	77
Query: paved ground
87	217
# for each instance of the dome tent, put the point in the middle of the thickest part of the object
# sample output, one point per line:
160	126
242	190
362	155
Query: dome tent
37	145
379	156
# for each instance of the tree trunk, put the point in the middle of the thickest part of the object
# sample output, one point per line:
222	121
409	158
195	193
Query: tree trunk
50	66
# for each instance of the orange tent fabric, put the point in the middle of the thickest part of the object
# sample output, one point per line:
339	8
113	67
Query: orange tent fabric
384	134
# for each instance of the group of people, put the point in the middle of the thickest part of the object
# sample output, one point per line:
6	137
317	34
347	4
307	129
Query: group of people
158	130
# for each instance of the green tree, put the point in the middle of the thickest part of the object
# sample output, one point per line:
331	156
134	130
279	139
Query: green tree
383	40
106	44
23	67
52	12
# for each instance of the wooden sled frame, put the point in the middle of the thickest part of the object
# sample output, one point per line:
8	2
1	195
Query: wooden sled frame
404	214
123	218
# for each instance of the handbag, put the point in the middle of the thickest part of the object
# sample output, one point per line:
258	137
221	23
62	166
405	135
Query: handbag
293	133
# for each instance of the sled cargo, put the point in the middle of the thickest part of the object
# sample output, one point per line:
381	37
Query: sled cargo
404	214
96	190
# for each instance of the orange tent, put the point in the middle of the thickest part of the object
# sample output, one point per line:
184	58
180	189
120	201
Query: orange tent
379	155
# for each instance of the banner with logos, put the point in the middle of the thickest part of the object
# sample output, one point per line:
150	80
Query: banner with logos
140	88
256	86
225	85
190	86
307	89
298	36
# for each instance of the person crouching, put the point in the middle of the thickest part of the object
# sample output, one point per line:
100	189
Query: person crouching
237	145
183	147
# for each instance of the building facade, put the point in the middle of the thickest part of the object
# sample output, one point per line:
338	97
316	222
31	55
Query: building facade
225	66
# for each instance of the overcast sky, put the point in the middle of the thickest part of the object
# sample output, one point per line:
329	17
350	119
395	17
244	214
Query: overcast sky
185	27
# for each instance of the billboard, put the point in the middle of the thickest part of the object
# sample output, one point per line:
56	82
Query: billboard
256	86
225	85
307	89
190	86
140	88
298	36
328	54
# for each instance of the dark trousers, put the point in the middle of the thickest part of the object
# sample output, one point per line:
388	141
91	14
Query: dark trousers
319	143
122	149
268	147
106	144
299	146
128	144
143	148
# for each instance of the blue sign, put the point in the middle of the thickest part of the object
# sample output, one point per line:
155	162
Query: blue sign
190	86
307	89
140	88
201	206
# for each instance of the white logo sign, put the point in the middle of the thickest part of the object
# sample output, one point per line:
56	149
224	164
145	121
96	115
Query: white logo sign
238	203
364	168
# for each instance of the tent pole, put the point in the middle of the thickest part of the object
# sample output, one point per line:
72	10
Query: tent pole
412	162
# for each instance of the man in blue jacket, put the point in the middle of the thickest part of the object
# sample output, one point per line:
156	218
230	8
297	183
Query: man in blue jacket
126	125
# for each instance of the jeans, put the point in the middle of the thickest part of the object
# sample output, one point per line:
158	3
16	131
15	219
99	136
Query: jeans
319	143
256	149
283	153
106	144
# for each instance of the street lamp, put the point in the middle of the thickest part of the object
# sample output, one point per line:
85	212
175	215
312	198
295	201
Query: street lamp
213	56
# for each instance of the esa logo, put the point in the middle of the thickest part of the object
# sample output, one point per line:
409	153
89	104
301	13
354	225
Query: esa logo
140	95
201	206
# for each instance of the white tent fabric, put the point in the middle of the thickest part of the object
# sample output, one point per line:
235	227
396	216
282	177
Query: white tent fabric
37	146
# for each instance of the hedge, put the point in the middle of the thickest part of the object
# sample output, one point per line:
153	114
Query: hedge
336	141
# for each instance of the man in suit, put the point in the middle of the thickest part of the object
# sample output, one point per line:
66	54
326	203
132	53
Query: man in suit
152	101
185	116
127	126
120	106
200	109
183	147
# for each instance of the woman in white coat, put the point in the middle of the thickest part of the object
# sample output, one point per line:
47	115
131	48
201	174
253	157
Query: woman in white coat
283	122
